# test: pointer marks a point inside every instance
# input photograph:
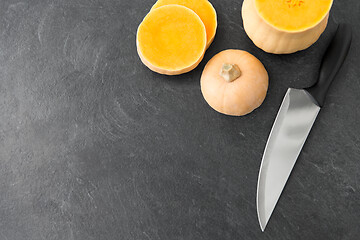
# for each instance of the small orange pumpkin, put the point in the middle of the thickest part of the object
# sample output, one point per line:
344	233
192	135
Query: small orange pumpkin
234	82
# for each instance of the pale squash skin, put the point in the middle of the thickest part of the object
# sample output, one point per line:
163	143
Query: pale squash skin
164	43
167	71
242	95
203	8
275	40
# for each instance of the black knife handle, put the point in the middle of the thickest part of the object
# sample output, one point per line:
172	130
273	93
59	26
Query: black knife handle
331	62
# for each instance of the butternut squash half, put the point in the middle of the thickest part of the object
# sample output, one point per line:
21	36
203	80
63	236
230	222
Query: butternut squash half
285	26
203	8
171	40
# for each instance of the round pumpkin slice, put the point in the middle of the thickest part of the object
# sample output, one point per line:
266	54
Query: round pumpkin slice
203	8
234	82
171	40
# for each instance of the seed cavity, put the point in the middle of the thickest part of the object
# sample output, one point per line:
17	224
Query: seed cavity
294	3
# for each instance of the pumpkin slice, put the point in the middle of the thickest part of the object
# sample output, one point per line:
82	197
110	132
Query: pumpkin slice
285	26
203	8
234	82
171	40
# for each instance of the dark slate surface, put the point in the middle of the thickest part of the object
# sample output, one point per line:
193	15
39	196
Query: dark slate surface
93	145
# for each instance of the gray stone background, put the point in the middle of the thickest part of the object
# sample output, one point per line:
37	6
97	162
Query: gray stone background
93	145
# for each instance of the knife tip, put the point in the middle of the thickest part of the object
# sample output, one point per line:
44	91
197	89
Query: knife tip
262	228
261	217
260	212
262	225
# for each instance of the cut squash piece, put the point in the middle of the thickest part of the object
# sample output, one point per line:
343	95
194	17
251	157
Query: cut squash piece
293	15
171	40
285	26
203	8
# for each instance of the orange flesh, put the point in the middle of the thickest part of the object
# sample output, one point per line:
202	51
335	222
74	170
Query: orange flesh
172	37
202	8
293	15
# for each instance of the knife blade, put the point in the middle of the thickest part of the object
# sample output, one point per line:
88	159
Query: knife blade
296	116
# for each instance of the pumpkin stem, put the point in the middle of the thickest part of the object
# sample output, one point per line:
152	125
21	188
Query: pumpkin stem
230	72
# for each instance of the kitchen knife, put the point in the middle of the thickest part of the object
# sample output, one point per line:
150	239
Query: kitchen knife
292	125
